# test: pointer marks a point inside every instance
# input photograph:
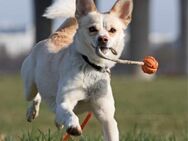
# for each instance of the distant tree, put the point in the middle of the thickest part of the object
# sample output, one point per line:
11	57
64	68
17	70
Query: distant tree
5	60
139	32
43	25
183	49
3	54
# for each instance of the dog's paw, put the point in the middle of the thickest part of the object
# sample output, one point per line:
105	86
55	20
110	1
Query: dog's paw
32	113
74	131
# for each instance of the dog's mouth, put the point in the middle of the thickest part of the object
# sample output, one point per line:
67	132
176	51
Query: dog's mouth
104	50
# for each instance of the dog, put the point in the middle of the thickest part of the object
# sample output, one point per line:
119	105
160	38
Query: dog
65	71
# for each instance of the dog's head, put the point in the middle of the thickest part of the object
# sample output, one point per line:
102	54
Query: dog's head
103	30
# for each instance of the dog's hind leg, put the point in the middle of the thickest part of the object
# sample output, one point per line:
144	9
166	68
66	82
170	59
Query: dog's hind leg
32	95
33	109
30	89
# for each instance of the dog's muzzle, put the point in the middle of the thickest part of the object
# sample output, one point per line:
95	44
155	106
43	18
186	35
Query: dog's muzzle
104	49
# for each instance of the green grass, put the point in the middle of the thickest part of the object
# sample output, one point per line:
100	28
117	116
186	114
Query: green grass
145	110
56	136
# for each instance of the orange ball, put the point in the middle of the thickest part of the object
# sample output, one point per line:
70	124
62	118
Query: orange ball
150	65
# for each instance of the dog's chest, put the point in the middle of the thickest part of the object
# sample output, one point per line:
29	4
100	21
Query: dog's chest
96	83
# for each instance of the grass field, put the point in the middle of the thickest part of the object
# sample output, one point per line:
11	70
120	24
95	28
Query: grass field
145	111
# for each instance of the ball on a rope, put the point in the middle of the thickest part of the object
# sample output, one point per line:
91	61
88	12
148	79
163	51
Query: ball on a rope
150	65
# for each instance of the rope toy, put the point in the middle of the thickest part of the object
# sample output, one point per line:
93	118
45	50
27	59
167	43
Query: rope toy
149	65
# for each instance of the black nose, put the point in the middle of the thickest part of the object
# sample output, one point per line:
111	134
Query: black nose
103	39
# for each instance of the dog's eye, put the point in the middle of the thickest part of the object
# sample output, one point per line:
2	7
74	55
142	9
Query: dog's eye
93	29
112	30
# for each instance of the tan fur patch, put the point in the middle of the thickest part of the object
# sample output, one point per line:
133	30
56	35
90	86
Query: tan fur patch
63	37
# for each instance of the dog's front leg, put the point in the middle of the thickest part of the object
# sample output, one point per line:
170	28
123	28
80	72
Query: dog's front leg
66	100
103	107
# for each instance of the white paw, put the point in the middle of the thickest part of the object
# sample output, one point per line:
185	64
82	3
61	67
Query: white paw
74	131
71	123
73	126
32	112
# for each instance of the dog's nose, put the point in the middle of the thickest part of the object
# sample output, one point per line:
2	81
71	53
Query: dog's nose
103	39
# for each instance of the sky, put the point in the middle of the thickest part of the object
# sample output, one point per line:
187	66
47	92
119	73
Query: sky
163	14
16	11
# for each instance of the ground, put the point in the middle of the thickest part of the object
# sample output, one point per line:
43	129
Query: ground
158	108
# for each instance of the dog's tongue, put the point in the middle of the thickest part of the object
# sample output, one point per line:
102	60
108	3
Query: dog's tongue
104	50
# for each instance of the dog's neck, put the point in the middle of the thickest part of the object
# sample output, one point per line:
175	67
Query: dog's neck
96	67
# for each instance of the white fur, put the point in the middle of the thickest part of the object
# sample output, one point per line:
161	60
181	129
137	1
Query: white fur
61	9
67	83
33	109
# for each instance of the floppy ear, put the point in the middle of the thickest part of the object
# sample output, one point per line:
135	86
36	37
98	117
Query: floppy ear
123	9
83	7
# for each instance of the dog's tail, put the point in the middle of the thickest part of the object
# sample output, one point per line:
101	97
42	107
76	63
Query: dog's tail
61	9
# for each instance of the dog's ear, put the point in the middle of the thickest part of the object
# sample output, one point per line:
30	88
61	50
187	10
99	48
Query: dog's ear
123	9
83	7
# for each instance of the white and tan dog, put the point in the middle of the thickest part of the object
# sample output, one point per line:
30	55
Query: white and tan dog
65	71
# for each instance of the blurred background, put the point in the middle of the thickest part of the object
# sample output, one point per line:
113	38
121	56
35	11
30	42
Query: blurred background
157	103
